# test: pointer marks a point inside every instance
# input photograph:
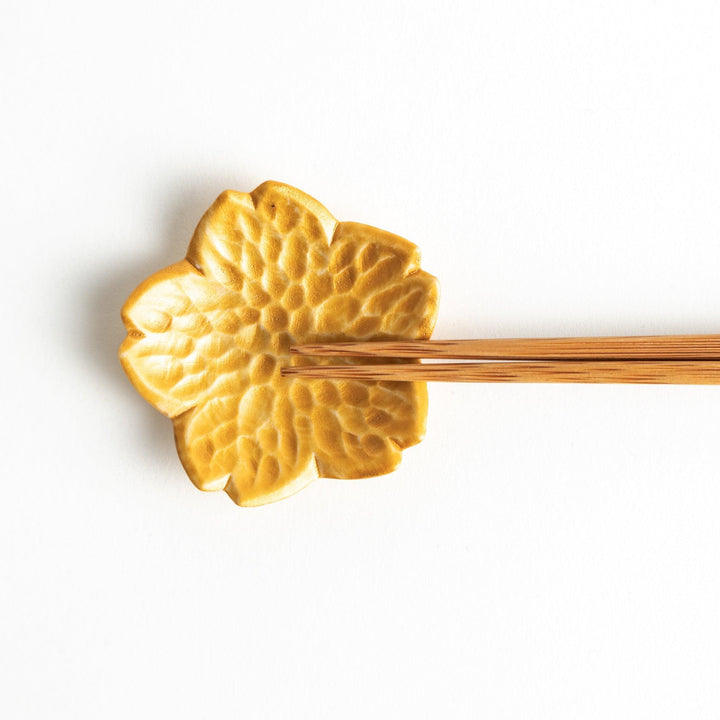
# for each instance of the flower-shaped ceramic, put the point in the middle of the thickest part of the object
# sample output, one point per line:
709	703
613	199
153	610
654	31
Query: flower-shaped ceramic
208	335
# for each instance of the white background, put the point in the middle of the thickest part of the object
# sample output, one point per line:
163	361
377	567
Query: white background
547	551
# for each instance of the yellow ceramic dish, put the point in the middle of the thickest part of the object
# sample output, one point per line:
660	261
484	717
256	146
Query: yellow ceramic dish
208	335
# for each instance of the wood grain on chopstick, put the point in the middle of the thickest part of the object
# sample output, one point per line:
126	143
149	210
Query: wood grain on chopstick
650	347
567	371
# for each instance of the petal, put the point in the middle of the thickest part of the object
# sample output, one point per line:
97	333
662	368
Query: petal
291	209
360	428
185	337
378	288
249	446
405	310
217	245
262	242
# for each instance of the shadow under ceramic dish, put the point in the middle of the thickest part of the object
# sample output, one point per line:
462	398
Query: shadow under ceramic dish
103	297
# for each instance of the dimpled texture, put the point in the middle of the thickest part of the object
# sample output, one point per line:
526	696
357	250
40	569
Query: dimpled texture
207	338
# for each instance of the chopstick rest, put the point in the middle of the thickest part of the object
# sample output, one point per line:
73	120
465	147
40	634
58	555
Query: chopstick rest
207	338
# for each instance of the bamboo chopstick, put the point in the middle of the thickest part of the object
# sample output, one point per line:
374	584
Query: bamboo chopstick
688	372
649	347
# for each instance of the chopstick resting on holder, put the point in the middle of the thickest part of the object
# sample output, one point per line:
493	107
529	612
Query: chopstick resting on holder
655	359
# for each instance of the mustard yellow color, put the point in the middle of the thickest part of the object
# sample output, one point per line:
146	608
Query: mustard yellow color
208	335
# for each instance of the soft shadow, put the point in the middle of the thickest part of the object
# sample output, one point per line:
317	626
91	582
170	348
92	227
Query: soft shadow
107	290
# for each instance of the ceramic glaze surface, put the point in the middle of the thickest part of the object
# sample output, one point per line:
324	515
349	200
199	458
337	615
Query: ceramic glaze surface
207	337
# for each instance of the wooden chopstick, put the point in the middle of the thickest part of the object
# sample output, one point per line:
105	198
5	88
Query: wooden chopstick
649	347
687	372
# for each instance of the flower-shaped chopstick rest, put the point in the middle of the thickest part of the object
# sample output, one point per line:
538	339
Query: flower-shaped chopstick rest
207	338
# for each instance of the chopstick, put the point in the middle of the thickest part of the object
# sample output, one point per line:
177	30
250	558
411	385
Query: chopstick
648	347
687	372
648	359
